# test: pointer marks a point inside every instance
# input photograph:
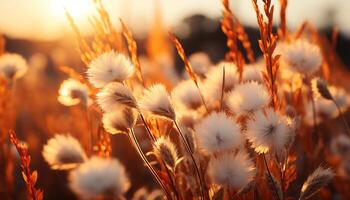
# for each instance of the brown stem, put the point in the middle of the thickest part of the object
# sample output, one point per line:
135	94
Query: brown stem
273	183
189	150
342	117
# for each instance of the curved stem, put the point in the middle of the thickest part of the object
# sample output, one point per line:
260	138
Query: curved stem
189	150
342	117
144	158
146	126
273	183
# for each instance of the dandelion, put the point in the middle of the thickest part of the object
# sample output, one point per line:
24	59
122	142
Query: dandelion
63	152
109	67
217	132
156	100
99	177
248	97
73	92
12	66
166	150
303	57
319	178
119	121
186	95
114	95
268	131
231	170
214	80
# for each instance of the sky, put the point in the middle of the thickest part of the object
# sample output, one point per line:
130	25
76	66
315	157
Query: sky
45	19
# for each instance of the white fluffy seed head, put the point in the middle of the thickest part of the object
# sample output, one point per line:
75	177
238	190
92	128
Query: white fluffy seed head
166	150
302	56
120	120
252	73
214	81
268	131
200	62
231	170
113	95
12	66
218	132
63	152
109	67
73	92
247	98
156	100
186	95
99	177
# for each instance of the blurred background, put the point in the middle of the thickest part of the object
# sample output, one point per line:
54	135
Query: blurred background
40	31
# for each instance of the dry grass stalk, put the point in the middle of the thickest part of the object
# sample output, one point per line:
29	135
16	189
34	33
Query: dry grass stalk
132	46
272	183
282	31
187	63
29	177
318	179
267	44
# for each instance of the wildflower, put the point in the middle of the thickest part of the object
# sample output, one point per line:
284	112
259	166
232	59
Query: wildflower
186	94
157	101
214	80
218	132
99	177
267	131
252	73
166	150
12	66
231	170
113	95
248	97
119	121
319	178
63	152
200	62
303	57
73	92
109	67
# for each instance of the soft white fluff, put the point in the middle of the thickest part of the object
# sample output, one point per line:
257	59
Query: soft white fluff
231	170
252	73
109	67
167	151
63	152
119	121
12	66
73	92
247	98
200	62
186	95
99	177
214	80
303	56
156	100
218	132
113	95
268	131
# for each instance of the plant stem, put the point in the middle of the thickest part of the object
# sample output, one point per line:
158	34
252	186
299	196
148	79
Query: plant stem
342	117
273	183
189	150
133	139
222	88
146	126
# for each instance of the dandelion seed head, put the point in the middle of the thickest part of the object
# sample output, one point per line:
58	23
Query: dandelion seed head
63	152
247	98
113	95
267	131
120	120
231	170
12	66
109	67
99	177
217	132
167	151
302	56
156	100
73	92
186	95
200	62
